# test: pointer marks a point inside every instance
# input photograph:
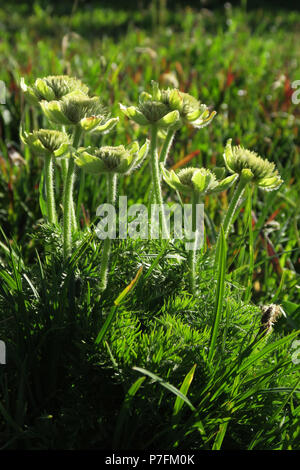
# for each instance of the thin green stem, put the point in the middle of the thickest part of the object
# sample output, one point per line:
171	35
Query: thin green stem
80	194
192	254
68	197
164	153
166	146
251	247
233	205
50	189
68	202
76	141
156	177
77	136
244	179
64	167
231	211
111	199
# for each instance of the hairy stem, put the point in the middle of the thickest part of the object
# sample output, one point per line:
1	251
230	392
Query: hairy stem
68	202
233	206
231	211
80	194
65	166
192	254
69	215
166	146
156	178
164	153
50	189
111	199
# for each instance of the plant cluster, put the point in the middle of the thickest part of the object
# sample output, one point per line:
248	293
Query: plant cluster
66	102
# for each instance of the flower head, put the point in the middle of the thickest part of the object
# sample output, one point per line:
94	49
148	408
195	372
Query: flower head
45	142
151	112
53	87
196	180
189	108
78	109
252	166
121	159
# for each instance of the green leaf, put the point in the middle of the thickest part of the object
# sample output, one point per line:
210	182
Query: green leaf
184	390
107	323
125	411
166	385
266	350
42	198
222	247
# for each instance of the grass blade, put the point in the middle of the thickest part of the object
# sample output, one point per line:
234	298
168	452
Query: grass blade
125	409
184	389
219	294
166	385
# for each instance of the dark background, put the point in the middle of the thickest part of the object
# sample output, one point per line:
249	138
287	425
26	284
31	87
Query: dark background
65	6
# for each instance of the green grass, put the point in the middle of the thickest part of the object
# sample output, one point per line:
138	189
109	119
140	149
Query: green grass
159	368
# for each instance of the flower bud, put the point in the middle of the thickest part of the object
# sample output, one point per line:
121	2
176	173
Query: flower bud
251	166
121	159
196	180
151	112
45	142
53	87
159	106
77	109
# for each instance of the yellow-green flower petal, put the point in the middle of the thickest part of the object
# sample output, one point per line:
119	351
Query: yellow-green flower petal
169	119
133	113
44	90
89	163
225	183
270	184
53	112
106	126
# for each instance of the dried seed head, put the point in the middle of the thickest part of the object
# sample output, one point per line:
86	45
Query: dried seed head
269	315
